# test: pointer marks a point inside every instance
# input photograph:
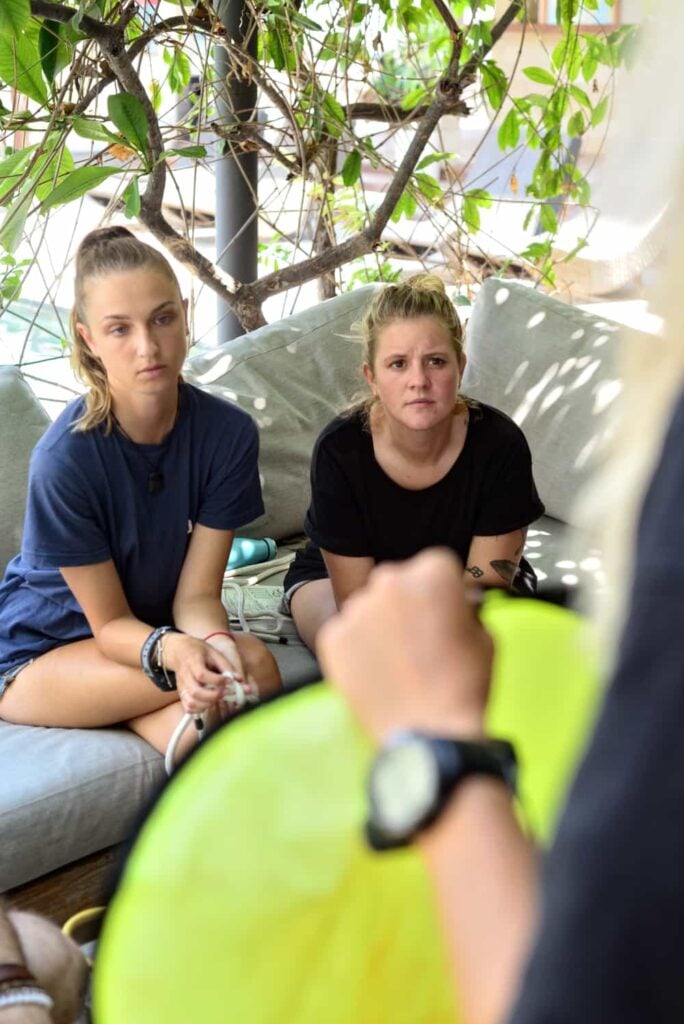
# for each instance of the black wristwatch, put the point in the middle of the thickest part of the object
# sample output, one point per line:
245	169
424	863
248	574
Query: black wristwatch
149	660
414	774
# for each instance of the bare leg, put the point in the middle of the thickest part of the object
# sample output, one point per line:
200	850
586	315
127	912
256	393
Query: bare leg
75	686
311	605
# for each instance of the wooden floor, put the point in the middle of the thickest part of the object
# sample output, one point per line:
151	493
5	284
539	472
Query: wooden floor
63	893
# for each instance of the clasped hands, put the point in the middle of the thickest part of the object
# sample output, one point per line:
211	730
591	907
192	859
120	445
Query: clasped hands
209	673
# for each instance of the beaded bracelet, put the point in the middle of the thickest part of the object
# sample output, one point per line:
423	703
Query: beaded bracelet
13	974
31	995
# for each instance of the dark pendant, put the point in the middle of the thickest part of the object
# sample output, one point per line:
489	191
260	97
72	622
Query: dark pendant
155	482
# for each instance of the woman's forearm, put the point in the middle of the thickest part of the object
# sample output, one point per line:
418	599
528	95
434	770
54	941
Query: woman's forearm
200	615
485	872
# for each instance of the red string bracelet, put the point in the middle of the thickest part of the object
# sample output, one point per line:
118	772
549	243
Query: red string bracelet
220	632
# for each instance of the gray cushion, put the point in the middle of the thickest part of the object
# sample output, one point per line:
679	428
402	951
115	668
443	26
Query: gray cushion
553	368
22	422
65	793
293	377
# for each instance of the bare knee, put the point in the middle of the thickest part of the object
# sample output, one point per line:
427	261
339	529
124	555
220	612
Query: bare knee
311	605
259	663
55	961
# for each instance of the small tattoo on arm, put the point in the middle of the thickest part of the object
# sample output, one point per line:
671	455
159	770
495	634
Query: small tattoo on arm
475	571
504	568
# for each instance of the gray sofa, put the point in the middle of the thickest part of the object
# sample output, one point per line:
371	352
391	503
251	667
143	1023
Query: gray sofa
67	794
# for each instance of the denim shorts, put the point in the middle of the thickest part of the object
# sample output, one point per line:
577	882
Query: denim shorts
11	674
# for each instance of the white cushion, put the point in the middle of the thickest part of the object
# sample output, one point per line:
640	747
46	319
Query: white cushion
553	369
293	376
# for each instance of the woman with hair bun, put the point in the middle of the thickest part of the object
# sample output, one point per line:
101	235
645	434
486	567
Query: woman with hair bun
112	610
415	465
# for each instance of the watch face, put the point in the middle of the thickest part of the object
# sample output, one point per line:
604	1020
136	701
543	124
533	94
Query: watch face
403	786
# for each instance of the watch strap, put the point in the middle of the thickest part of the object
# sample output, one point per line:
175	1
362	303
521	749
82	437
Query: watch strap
163	679
455	760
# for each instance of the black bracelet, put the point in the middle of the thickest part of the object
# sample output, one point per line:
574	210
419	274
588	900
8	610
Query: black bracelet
164	680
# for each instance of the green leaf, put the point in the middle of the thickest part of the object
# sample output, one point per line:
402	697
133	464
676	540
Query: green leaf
536	251
131	198
12	168
589	65
192	152
429	187
333	113
14	16
351	168
494	83
567	11
20	66
414	97
539	75
576	125
580	96
433	158
128	114
76	184
508	135
12	230
275	49
55	54
406	207
179	69
52	168
88	128
155	95
471	213
548	218
599	112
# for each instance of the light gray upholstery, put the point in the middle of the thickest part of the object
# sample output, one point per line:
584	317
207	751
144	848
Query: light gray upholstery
551	367
65	793
293	377
22	421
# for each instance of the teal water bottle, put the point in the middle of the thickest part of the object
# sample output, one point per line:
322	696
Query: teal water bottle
251	552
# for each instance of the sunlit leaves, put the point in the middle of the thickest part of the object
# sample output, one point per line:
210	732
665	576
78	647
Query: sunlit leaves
539	75
14	16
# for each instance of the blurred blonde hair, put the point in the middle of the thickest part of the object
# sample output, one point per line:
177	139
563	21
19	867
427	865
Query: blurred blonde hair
109	250
652	371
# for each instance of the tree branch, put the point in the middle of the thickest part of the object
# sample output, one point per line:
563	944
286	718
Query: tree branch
60	12
447	98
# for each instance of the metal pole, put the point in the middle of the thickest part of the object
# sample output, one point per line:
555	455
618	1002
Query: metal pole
236	170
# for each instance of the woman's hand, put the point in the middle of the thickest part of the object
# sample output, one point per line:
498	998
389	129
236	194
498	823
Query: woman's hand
409	652
206	671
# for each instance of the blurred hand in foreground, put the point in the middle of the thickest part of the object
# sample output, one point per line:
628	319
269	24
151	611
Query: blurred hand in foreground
408	650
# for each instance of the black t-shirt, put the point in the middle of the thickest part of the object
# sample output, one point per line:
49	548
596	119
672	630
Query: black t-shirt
611	944
357	510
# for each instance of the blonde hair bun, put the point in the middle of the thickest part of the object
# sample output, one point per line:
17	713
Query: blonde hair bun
426	283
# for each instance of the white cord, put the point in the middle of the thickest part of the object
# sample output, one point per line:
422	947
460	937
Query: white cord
234	694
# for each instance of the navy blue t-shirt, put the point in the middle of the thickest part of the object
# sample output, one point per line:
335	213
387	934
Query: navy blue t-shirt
89	501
